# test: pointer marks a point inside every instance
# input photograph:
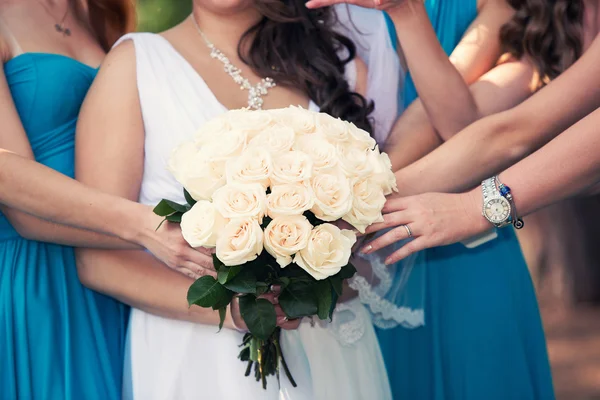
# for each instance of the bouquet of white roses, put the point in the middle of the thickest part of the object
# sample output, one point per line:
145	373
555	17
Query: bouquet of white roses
262	187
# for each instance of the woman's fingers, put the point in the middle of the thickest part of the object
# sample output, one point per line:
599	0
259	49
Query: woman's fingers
409	248
391	220
200	256
402	232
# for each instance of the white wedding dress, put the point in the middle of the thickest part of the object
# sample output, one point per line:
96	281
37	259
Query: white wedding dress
176	360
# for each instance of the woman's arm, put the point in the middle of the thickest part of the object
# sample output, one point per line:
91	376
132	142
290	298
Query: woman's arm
494	143
565	167
442	88
110	155
44	193
500	89
14	138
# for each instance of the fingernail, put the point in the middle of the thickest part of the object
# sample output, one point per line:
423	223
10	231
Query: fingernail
275	288
389	261
367	249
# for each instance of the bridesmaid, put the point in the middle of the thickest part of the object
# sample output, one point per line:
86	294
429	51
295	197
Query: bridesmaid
57	339
482	336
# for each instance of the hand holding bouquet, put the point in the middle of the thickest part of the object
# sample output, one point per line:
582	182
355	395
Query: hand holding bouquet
263	188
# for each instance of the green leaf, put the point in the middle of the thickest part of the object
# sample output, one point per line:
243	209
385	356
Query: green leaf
217	263
176	206
346	272
337	283
298	300
259	316
222	315
261	288
243	282
189	198
224	301
334	301
266	222
175	217
312	218
284	282
226	274
324	294
207	292
163	209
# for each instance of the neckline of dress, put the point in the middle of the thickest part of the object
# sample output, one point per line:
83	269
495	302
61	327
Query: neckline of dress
311	104
52	55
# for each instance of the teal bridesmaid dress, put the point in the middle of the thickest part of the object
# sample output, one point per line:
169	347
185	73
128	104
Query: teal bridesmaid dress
58	340
483	337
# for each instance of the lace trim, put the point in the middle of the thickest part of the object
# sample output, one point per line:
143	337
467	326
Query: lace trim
386	314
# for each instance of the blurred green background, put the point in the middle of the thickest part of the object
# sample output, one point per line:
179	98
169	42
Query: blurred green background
159	15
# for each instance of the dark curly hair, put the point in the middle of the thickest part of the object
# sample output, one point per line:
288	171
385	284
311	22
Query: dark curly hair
298	48
547	32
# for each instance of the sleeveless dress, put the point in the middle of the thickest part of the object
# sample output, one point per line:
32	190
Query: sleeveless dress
58	340
171	359
483	336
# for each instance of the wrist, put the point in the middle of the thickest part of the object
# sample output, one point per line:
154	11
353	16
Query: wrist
474	204
407	11
141	226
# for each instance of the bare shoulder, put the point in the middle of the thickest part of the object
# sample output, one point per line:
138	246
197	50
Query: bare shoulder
361	76
501	7
121	55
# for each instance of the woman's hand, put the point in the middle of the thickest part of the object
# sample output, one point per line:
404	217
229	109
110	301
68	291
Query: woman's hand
377	4
432	219
168	245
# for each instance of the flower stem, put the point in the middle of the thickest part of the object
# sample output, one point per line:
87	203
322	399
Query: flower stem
280	356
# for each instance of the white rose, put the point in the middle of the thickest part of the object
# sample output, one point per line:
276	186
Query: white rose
241	200
275	139
241	241
327	252
323	154
229	145
251	122
367	205
291	167
355	162
202	224
199	176
301	121
290	199
286	236
334	129
361	138
253	166
215	128
180	159
333	197
382	172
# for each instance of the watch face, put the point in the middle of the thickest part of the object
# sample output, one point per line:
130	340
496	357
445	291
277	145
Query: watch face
497	210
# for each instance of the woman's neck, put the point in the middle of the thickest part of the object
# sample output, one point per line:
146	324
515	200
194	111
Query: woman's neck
225	30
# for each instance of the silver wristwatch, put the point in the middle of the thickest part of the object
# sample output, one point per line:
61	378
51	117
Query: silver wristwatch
496	208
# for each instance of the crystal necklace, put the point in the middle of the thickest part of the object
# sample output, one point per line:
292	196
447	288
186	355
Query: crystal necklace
58	26
255	93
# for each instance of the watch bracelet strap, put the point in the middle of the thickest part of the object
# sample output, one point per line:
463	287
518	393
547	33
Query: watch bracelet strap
507	194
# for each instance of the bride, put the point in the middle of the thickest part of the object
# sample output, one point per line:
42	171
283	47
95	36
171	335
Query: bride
152	93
